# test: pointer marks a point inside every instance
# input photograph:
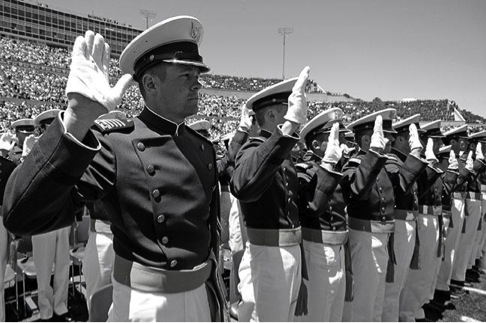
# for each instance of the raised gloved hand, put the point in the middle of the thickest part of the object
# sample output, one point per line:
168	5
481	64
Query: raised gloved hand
245	119
414	141
470	162
89	72
429	152
333	152
479	152
453	163
29	143
297	111
7	141
378	140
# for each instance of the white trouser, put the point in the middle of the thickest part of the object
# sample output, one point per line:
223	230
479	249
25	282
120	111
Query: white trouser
237	240
404	245
482	245
51	251
270	279
467	240
417	286
3	265
478	238
130	305
438	261
369	257
98	260
327	282
451	244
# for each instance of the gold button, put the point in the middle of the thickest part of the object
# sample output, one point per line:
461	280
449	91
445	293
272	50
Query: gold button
289	200
141	146
210	166
161	218
202	147
165	240
383	209
383	219
173	263
151	169
334	228
155	193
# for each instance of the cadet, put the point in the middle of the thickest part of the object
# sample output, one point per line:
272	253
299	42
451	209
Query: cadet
404	166
472	210
323	216
156	177
475	186
449	165
265	182
50	252
368	193
457	139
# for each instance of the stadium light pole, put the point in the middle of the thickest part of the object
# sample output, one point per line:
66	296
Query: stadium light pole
284	31
148	15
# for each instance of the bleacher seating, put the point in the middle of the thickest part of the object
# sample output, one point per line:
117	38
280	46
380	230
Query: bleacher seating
34	76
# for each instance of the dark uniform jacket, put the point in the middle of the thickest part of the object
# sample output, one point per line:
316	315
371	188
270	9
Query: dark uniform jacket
367	188
465	176
265	182
449	180
430	187
158	181
404	171
321	205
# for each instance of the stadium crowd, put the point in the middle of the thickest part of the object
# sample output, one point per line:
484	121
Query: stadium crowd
41	88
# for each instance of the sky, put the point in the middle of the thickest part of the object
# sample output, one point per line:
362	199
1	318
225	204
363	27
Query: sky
423	49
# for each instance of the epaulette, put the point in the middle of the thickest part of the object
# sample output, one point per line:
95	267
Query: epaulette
303	166
392	158
112	125
354	160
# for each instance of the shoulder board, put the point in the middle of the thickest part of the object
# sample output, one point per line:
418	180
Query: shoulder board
392	158
303	166
261	139
354	160
112	125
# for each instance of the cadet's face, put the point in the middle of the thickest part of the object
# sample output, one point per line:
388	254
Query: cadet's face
463	143
391	139
437	145
180	90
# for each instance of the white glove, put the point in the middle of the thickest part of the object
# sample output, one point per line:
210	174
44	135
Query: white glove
297	111
346	150
453	163
29	143
333	151
7	142
378	140
414	140
245	119
89	73
429	151
470	162
479	151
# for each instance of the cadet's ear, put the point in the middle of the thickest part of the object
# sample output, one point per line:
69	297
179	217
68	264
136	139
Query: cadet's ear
148	83
315	145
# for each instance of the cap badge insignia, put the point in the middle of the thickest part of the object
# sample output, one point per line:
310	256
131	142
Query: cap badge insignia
195	32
